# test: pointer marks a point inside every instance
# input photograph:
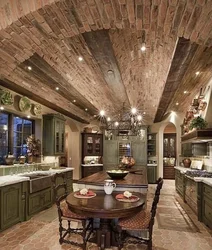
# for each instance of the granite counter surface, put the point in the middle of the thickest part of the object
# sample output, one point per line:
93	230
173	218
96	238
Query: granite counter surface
12	179
205	180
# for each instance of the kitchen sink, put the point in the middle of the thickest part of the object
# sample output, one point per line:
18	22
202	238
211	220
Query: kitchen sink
38	182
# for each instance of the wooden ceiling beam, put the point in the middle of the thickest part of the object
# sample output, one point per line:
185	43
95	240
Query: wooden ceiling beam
35	97
101	48
184	53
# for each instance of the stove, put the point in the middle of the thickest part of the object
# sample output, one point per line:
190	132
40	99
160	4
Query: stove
199	173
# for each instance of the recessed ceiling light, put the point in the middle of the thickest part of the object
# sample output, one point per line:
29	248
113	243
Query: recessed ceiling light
197	73
102	112
133	110
144	113
74	100
177	103
29	68
185	92
28	116
143	47
57	88
86	109
94	115
80	58
2	108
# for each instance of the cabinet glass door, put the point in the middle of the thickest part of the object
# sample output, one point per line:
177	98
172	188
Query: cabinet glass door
89	144
97	145
124	149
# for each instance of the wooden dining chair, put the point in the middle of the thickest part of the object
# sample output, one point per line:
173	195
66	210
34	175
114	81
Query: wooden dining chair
141	222
65	215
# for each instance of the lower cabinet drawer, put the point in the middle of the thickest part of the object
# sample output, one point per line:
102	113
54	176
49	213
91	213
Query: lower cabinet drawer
207	212
207	191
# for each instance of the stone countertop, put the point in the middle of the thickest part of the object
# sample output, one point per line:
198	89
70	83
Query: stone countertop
151	165
182	169
12	179
205	180
94	165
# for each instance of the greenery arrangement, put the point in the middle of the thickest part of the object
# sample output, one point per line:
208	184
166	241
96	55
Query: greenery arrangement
198	123
33	146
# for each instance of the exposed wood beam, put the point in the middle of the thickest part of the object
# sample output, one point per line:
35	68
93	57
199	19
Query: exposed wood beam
183	55
101	48
47	75
33	96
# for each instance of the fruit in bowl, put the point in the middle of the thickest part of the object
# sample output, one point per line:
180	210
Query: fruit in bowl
117	174
128	161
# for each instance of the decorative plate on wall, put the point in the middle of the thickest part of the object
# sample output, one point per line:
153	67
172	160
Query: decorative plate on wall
37	109
24	104
6	97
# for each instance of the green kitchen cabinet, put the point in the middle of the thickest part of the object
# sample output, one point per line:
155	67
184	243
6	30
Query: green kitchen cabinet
139	152
53	134
207	205
13	202
180	183
39	201
151	174
110	158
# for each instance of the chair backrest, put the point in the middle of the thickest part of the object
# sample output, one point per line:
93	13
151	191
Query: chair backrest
157	194
154	205
59	187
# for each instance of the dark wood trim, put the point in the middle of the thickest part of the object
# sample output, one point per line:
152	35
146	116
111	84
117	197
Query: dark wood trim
183	56
22	91
196	135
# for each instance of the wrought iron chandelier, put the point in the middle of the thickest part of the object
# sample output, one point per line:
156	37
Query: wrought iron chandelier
126	121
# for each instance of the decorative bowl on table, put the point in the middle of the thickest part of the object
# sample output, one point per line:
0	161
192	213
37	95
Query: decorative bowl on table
117	174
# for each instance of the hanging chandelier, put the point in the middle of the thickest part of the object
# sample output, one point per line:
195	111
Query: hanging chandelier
124	122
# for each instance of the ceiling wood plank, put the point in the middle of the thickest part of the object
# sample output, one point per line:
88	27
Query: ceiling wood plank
101	48
182	57
35	97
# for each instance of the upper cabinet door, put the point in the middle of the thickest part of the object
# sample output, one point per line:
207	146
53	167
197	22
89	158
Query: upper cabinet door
92	144
139	153
53	135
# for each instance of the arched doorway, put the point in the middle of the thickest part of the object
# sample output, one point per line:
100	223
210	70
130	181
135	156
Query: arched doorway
169	151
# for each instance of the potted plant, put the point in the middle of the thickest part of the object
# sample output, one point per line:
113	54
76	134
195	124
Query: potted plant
33	148
198	123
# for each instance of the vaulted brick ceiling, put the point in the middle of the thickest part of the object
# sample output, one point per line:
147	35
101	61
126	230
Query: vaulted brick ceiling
50	35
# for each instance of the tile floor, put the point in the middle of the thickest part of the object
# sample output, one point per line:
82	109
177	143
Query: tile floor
176	228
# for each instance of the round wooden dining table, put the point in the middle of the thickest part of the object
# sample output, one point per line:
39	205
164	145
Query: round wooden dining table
106	208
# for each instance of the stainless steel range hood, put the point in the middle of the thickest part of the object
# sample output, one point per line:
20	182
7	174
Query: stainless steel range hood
198	136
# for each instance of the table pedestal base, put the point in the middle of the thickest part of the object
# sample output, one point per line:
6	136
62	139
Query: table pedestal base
103	234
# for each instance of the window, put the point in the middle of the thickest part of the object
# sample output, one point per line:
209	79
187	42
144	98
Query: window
21	130
4	118
13	133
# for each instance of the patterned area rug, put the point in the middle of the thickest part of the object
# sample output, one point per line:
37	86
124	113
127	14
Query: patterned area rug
171	216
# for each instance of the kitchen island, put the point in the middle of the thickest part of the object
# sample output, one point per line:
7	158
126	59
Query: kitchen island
135	181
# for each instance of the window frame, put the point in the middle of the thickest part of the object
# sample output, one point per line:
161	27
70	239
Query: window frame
11	128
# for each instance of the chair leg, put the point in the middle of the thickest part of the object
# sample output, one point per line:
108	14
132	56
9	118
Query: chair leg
84	234
119	237
61	232
149	246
